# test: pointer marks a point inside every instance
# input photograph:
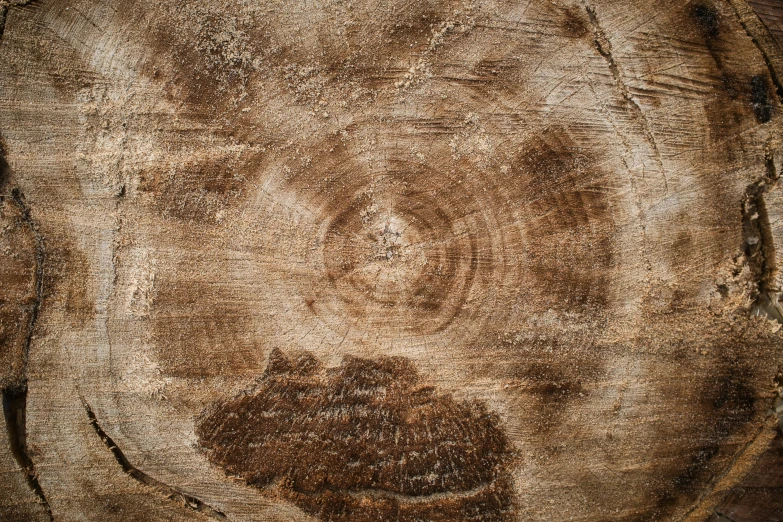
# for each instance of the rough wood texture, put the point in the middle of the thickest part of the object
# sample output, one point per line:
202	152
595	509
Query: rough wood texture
771	13
759	497
441	260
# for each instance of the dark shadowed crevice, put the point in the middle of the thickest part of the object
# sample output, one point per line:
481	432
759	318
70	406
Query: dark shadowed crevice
14	411
169	492
778	408
758	495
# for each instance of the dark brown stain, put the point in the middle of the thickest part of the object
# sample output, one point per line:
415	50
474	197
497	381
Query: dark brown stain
574	23
554	387
198	191
206	56
365	441
553	382
758	496
732	403
17	291
78	300
708	25
760	92
736	95
683	489
731	396
214	337
707	20
724	108
21	259
551	378
552	162
490	69
206	64
21	271
724	405
699	463
571	226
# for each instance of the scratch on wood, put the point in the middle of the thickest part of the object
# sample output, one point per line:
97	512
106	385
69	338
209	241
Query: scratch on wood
604	48
763	40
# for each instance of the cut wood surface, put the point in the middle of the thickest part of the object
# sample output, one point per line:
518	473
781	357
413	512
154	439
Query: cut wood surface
444	260
771	13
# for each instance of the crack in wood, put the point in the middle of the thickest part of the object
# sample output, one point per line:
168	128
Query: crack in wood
18	198
737	469
758	242
172	493
14	411
14	396
766	302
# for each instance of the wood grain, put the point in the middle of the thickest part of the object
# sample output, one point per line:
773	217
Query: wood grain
771	13
443	260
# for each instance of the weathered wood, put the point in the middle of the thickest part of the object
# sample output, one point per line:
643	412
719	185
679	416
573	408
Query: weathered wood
334	260
771	13
758	496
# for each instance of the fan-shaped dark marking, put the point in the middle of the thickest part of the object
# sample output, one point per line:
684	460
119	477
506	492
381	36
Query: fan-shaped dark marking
367	440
